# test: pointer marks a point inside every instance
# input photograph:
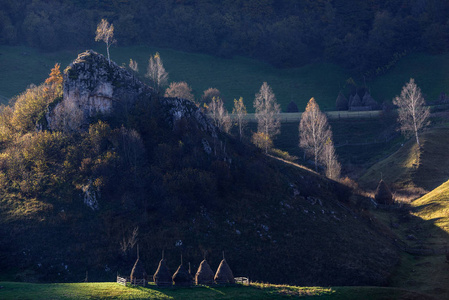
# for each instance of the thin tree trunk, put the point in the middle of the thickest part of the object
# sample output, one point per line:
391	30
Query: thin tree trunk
417	139
109	59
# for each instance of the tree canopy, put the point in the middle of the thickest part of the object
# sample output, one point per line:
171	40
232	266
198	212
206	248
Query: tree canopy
366	36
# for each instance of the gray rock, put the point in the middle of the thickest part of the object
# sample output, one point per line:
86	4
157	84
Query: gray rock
93	87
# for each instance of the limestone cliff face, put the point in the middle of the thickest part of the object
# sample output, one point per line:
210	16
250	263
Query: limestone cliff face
93	87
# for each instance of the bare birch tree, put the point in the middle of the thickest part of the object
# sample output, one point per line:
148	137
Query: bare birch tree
105	33
219	115
329	158
239	112
413	114
267	113
314	131
156	73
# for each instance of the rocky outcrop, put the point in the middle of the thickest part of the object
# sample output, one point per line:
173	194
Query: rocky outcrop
93	87
178	109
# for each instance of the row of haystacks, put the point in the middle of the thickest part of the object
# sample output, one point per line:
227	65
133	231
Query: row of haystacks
183	276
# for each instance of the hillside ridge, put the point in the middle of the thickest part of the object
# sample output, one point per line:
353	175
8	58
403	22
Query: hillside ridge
159	169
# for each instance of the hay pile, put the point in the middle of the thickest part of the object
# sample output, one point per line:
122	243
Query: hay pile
182	277
224	274
341	103
162	276
138	272
383	194
204	275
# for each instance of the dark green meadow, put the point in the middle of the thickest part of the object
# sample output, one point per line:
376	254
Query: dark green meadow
235	77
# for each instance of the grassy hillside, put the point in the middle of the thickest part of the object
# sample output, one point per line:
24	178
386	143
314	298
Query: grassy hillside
21	66
410	167
27	291
360	143
422	228
434	207
69	199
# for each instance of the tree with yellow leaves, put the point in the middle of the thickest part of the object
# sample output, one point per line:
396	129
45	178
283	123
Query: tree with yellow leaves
54	82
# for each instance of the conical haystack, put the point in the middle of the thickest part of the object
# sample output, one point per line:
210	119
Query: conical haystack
162	276
356	102
224	274
138	271
383	194
204	275
182	276
341	103
367	100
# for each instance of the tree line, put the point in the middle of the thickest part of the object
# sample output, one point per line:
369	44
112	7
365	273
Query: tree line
365	36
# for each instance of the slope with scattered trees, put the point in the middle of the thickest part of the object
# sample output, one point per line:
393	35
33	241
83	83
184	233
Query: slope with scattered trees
71	200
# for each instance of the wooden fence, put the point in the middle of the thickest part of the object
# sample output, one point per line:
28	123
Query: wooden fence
134	282
122	280
242	280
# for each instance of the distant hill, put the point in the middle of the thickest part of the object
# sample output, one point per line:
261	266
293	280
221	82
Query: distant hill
120	159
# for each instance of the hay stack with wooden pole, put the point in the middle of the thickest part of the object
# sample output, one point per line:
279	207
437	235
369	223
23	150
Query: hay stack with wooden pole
138	272
204	275
162	277
182	276
224	274
341	103
383	194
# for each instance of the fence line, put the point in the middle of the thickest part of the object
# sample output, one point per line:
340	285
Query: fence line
242	280
134	282
296	117
122	280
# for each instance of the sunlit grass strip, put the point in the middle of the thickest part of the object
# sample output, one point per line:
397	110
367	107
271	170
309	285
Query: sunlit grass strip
294	290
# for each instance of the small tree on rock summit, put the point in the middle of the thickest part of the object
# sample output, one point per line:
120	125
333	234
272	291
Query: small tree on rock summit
105	33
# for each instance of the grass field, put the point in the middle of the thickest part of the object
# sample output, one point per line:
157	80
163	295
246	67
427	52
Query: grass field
429	72
21	66
234	77
15	290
